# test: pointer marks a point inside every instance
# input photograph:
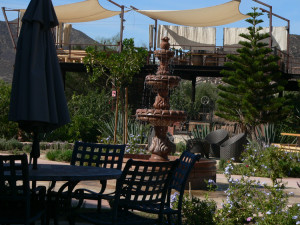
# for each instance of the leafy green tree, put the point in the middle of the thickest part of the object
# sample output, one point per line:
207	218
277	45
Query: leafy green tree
252	94
88	113
117	68
8	129
109	44
181	98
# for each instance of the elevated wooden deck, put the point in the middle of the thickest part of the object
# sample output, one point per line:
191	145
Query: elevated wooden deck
187	65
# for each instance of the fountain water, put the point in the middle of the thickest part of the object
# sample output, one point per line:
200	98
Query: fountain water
161	116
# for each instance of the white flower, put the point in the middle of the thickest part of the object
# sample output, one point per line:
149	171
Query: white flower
269	212
295	217
298	222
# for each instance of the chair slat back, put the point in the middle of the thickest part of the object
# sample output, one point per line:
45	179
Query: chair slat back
144	183
14	185
186	163
14	180
99	155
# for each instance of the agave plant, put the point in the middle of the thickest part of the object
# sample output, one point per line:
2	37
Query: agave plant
135	128
201	131
271	133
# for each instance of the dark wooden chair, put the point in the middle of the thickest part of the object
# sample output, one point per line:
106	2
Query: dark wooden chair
186	163
100	155
142	186
178	183
19	204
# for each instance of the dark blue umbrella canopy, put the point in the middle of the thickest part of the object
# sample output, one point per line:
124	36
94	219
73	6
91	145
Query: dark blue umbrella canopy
38	101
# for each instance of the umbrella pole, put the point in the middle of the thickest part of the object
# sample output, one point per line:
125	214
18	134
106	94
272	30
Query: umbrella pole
35	152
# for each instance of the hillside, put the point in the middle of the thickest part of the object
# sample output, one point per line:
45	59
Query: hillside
7	52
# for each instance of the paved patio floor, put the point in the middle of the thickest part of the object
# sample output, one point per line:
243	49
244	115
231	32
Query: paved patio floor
218	195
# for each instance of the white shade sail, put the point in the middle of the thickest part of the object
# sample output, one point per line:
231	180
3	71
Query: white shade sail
182	37
203	17
85	11
279	36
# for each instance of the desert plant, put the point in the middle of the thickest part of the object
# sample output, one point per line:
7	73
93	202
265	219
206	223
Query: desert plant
201	131
271	133
135	129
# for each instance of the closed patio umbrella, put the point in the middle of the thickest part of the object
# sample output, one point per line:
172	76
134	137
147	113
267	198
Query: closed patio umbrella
38	101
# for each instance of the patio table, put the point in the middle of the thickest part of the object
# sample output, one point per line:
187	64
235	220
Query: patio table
57	172
72	175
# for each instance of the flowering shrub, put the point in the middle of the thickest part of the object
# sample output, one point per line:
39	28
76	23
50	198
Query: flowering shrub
133	146
250	201
267	161
271	162
211	185
194	210
108	140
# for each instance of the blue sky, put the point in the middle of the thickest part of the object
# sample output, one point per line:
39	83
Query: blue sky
136	25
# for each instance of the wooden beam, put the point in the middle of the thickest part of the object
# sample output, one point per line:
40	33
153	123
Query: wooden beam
9	30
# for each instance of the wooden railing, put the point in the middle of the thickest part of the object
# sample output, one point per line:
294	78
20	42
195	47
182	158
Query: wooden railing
216	56
75	53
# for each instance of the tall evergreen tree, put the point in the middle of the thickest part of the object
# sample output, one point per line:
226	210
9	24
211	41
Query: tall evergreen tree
253	82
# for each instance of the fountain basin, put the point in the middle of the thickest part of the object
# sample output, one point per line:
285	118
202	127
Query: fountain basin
159	117
162	81
164	53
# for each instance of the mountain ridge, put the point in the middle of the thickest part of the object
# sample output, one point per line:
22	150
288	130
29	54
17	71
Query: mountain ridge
7	52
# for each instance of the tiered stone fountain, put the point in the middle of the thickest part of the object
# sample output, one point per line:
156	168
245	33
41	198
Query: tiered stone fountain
161	116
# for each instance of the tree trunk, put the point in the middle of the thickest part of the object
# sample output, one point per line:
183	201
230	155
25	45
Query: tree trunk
116	116
126	115
123	114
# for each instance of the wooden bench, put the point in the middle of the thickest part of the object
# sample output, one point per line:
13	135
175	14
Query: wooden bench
71	55
287	147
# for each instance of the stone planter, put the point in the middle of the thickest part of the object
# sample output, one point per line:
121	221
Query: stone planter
202	171
136	157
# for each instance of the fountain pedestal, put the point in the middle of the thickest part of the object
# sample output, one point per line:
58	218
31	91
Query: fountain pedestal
161	116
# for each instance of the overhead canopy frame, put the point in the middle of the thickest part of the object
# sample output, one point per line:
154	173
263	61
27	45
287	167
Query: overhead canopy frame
85	11
203	17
